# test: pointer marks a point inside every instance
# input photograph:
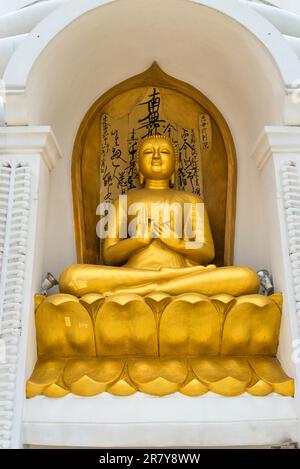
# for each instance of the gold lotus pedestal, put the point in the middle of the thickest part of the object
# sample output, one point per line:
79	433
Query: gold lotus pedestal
158	344
158	317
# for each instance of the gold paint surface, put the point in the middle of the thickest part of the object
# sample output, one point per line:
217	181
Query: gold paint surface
92	376
252	326
125	325
64	328
183	104
160	318
273	375
158	377
178	365
229	376
46	378
190	325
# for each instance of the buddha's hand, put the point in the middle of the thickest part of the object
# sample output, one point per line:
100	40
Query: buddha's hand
142	235
171	239
166	235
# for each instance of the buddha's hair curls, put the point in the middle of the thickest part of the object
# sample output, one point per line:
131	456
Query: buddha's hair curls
156	137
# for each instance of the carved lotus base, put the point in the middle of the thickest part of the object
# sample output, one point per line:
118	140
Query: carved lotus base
158	345
228	376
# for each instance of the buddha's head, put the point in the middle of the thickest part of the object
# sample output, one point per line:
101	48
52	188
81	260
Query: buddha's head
157	159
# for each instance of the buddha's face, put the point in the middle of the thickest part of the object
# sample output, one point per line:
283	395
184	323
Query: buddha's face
157	159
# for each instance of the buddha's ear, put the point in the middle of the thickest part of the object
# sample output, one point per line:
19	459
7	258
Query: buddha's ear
141	176
172	180
141	179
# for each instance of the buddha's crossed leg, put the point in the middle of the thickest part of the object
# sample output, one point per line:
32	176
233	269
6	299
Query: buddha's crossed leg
82	279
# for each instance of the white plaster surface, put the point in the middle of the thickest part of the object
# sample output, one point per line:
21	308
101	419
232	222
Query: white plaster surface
139	420
34	149
245	68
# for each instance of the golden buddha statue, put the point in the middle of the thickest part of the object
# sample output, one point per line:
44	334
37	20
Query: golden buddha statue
159	259
158	317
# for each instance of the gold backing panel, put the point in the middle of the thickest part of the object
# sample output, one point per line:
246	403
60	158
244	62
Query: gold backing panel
186	108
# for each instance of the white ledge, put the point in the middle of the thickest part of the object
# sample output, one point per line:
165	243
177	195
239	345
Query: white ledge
281	139
30	140
143	421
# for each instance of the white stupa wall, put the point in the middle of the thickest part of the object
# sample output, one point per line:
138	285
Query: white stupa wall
53	78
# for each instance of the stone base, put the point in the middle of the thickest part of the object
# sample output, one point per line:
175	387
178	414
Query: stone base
227	376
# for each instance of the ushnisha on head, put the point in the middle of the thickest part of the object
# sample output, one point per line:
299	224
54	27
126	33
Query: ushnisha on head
157	160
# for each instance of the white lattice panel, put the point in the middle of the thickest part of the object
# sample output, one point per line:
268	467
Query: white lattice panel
291	196
15	186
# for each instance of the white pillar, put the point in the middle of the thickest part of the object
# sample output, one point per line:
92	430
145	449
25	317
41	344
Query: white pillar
277	155
27	154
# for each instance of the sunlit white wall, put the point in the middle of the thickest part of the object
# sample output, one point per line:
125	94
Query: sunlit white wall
6	6
291	5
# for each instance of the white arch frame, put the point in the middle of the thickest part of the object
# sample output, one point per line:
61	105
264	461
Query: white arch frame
18	69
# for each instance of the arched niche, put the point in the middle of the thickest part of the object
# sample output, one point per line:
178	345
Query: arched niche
207	159
83	49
